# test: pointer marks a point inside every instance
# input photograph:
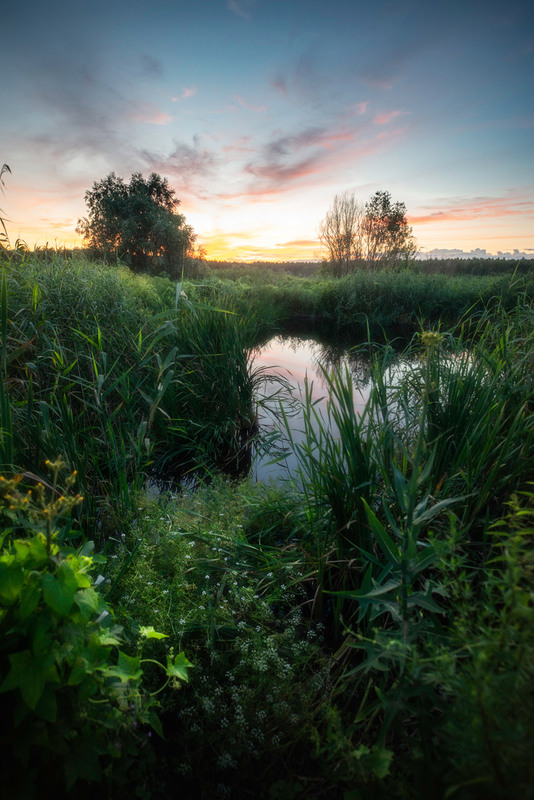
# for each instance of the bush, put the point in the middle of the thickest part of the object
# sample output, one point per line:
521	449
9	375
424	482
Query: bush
75	711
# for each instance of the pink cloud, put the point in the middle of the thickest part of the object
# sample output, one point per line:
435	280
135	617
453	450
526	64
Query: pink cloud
248	106
280	85
387	116
299	243
280	173
477	208
151	116
391	134
186	92
241	145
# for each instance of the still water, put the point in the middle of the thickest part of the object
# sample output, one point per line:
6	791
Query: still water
288	362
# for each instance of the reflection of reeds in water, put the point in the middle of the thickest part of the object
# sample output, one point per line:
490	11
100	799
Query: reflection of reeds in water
451	431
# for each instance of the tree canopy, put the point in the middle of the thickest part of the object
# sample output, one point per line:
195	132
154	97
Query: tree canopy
138	222
366	236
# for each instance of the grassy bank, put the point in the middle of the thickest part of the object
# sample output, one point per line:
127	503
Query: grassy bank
382	299
363	631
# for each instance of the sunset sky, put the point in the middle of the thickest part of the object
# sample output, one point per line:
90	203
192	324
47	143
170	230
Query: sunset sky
259	111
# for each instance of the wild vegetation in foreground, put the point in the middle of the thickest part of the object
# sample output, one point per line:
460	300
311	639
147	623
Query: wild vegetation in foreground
363	631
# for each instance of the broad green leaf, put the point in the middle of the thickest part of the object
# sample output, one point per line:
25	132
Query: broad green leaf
58	595
30	675
88	601
11	581
178	667
109	638
66	576
154	722
128	668
96	655
77	674
20	663
148	632
29	600
379	761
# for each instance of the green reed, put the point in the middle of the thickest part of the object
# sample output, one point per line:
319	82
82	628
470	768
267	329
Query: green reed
107	369
450	430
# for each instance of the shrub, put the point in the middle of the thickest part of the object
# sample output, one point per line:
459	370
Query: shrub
75	710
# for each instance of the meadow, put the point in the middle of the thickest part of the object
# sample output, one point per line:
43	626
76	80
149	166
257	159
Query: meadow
363	631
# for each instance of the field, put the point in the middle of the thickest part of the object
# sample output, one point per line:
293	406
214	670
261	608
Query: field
365	631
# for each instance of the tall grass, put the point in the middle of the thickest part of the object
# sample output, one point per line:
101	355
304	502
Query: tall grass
109	370
451	432
384	300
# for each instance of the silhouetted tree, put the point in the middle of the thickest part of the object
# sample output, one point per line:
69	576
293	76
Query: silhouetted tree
365	236
340	233
137	222
388	237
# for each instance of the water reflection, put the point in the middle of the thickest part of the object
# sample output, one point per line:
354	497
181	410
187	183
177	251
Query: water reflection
290	360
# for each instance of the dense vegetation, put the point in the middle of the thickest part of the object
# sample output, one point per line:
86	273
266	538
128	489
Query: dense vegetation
137	223
384	300
363	631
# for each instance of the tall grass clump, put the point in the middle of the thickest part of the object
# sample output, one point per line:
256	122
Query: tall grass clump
120	374
447	425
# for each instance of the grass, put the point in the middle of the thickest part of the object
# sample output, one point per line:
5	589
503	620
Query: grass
362	631
385	300
108	369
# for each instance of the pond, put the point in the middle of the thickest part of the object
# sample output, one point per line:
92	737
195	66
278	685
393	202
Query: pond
289	360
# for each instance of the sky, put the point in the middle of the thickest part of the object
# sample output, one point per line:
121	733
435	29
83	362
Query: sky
258	112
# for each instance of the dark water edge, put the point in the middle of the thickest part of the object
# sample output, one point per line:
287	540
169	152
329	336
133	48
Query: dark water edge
329	334
299	350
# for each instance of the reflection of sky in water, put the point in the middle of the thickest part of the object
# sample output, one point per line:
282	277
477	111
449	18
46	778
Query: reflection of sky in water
292	360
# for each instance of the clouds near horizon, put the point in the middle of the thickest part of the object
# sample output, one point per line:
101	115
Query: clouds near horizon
263	109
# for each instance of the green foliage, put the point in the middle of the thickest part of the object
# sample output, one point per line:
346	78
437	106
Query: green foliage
370	236
259	675
364	632
137	222
486	672
398	503
388	236
120	376
74	705
385	300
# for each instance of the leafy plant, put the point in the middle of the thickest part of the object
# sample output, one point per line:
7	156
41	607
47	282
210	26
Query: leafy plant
137	222
75	709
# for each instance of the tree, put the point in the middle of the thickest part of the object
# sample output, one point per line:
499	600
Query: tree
340	233
388	237
376	234
138	222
